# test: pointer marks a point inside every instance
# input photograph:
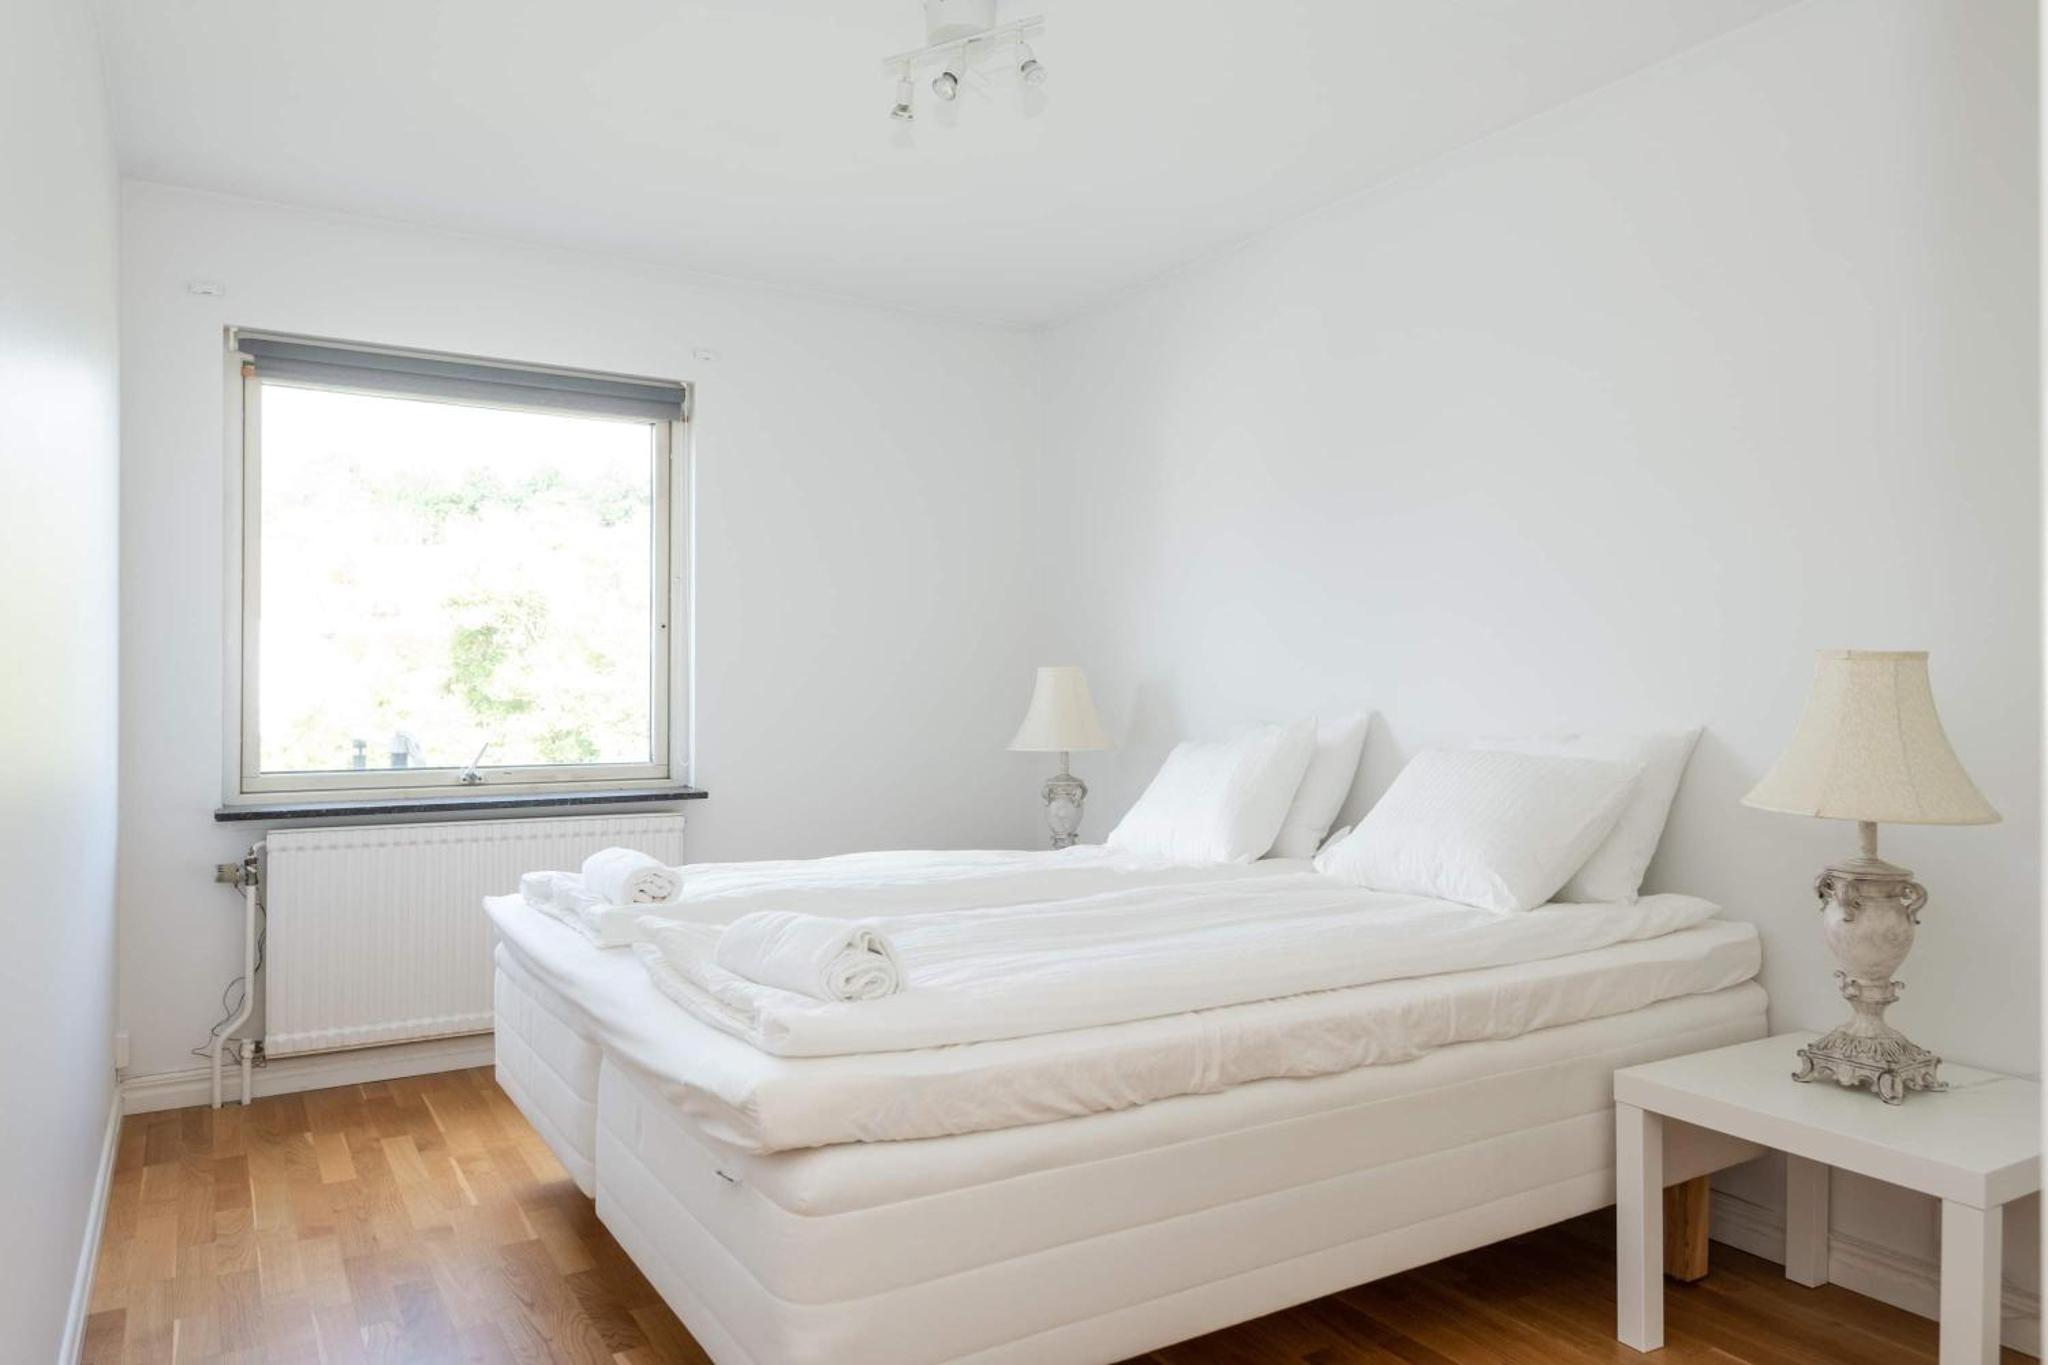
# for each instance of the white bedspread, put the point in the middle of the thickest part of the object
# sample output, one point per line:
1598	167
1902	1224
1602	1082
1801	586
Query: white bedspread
736	1094
1019	971
905	882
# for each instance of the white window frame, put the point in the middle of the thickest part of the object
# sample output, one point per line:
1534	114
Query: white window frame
244	782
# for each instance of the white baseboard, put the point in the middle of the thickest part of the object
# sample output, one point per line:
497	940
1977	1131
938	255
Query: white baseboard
316	1071
1903	1281
95	1221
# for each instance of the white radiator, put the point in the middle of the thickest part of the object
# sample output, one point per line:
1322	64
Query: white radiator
378	935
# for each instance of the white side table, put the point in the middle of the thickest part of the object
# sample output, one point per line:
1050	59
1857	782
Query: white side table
1976	1146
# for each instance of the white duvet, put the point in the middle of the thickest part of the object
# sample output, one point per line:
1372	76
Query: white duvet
1027	970
900	882
738	1095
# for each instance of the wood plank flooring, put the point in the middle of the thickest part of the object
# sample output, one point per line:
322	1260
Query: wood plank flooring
420	1220
424	1221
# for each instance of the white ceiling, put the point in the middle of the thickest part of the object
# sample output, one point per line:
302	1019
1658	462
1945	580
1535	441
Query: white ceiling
750	138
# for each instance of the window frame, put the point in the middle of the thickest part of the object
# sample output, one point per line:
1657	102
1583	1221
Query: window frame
243	781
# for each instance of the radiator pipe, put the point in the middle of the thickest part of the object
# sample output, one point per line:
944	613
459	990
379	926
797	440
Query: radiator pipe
250	875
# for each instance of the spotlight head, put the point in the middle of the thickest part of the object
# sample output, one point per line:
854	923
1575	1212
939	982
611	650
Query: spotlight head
903	112
1032	70
946	85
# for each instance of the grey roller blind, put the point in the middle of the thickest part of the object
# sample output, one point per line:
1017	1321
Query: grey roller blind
462	380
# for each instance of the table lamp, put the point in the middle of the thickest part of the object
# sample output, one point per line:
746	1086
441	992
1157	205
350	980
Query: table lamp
1870	748
1062	721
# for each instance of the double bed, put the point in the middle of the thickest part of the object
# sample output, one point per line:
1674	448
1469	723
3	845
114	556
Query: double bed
1094	1192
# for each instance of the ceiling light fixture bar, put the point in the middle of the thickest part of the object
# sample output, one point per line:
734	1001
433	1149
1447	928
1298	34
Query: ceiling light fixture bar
1019	31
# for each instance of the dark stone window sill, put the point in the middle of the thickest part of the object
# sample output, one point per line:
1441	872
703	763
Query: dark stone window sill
479	803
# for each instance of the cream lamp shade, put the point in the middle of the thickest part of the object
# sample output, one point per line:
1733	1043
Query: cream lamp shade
1870	747
1062	715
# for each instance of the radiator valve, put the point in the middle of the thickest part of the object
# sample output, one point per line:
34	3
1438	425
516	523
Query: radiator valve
241	874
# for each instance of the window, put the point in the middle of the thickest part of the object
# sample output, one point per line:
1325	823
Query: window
455	574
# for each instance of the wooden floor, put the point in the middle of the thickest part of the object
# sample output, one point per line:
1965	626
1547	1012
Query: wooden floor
424	1221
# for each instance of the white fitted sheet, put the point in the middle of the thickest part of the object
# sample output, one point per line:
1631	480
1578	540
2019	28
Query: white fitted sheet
1096	1238
754	1102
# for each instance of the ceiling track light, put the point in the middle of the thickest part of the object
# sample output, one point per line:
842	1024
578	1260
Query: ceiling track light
956	53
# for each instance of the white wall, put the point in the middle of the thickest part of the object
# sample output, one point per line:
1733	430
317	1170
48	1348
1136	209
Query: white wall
1608	419
1611	419
869	503
58	706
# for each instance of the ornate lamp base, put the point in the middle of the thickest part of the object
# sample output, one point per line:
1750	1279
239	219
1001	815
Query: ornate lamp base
1889	1063
1869	912
1063	793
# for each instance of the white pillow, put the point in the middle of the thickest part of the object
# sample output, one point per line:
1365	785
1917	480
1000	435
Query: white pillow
1331	772
1615	871
1497	830
1219	801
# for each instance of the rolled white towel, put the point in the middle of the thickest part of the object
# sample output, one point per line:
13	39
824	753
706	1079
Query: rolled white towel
827	959
624	876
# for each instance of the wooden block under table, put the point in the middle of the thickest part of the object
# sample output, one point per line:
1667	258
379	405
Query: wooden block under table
1685	1229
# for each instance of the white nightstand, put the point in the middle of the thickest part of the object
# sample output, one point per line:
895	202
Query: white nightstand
1976	1146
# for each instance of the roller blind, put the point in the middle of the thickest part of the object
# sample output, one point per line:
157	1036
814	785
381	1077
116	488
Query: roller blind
460	379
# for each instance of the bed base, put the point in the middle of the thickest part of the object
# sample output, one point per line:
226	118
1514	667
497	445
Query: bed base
549	1068
759	1285
554	1073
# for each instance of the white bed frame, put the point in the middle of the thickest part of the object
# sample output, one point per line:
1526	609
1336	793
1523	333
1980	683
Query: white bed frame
1270	1203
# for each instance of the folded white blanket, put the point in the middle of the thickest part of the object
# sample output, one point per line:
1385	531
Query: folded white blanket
826	959
759	1103
1039	969
624	876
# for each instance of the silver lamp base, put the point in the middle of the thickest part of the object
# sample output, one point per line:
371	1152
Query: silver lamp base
1064	794
1869	911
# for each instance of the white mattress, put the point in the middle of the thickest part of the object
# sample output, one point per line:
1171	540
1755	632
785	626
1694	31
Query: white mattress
1098	1237
548	1063
750	1101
